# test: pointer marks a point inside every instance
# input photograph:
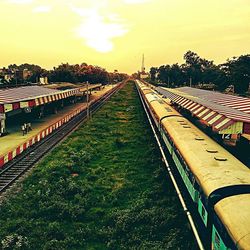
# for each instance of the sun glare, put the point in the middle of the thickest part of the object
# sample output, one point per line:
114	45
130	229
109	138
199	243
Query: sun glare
42	9
97	32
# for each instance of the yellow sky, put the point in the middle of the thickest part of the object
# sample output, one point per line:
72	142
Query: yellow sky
115	33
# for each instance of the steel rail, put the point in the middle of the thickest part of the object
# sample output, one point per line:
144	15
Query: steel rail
22	163
185	209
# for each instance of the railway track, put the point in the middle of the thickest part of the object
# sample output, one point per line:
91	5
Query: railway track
171	173
22	163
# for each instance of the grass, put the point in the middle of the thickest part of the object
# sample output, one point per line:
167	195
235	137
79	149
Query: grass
103	188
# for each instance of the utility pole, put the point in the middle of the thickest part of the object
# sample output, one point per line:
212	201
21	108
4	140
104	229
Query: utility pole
87	100
15	76
190	82
143	64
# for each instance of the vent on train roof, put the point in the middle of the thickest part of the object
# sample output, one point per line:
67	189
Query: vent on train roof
180	121
199	138
213	151
168	109
186	126
220	158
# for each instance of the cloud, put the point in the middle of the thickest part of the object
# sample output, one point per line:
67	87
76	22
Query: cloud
20	1
135	1
97	30
42	9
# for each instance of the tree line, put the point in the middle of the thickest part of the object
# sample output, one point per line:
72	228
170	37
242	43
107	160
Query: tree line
65	72
197	70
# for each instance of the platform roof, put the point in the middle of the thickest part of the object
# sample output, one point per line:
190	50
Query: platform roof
29	96
13	95
218	110
231	101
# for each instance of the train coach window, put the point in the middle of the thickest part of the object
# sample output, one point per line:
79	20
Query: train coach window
221	234
217	240
203	212
194	183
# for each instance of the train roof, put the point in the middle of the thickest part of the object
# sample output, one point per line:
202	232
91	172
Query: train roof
237	223
151	96
147	91
212	165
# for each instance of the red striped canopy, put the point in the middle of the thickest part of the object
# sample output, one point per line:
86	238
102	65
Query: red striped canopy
30	96
216	109
14	95
231	101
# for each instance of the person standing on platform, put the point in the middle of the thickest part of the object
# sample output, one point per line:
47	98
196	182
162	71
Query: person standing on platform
29	127
26	128
23	129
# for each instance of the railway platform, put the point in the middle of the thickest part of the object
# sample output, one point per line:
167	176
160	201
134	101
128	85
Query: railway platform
14	143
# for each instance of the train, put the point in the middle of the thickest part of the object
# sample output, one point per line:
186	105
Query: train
217	182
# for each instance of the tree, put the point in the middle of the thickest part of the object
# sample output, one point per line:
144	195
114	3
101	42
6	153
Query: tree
153	72
193	66
238	71
164	73
79	73
63	73
176	75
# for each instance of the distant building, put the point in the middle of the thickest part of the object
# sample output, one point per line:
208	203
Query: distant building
9	74
43	80
229	89
6	75
26	74
142	73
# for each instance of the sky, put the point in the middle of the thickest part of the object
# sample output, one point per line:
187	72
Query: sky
115	33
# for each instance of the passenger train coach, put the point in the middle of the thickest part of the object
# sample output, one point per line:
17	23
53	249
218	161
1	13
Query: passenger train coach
218	183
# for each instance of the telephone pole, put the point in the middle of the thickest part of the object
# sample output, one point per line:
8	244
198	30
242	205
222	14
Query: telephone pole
190	82
143	64
87	100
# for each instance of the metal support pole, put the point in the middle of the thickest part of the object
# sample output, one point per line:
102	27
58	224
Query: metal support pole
2	124
87	100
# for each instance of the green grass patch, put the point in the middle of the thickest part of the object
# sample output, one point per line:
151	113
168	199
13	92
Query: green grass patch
103	188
